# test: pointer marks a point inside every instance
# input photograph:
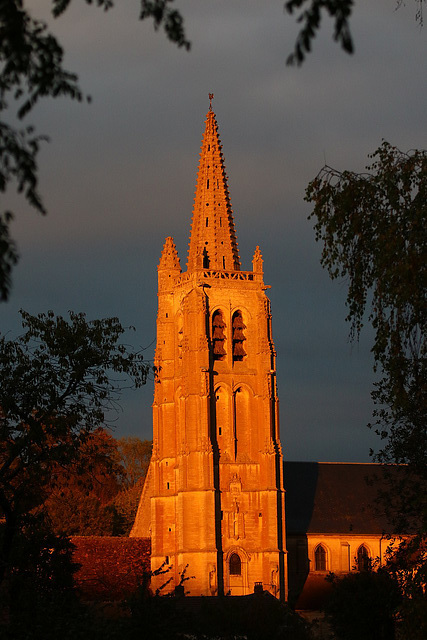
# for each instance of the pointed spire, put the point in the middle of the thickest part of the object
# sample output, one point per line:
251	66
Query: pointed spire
169	258
213	243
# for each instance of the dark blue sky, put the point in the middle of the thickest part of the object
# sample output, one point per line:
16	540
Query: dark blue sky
119	175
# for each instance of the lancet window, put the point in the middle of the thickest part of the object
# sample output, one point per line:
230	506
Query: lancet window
320	558
363	558
235	565
218	336
238	337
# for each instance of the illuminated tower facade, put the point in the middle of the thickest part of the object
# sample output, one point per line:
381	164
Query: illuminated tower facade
214	498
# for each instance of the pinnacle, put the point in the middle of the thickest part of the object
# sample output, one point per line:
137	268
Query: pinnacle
257	260
213	243
169	258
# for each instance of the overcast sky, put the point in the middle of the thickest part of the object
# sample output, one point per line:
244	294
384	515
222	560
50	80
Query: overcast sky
118	176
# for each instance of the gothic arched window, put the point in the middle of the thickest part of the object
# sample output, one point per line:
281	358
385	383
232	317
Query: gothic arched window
235	565
238	336
363	559
218	336
320	558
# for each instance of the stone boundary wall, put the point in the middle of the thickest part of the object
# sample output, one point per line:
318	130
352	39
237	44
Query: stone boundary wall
111	568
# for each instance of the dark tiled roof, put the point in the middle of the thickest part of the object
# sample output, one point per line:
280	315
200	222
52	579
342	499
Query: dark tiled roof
110	569
328	497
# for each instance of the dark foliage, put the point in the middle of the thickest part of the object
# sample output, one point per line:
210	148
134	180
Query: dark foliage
254	617
339	11
80	497
39	583
59	380
362	606
373	227
31	68
134	455
310	18
407	564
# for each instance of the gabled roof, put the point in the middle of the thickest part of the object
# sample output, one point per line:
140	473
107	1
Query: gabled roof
213	243
328	497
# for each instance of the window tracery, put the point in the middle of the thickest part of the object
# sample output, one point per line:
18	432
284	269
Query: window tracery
363	558
320	558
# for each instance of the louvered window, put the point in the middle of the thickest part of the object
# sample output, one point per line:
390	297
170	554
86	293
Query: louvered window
238	337
218	336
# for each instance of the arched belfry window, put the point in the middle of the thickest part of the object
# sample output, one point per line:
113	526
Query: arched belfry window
238	337
218	336
320	558
235	565
363	559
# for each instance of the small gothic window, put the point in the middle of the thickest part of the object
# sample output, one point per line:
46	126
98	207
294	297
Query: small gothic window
235	565
205	259
320	558
362	558
207	183
218	336
223	261
180	341
238	337
207	222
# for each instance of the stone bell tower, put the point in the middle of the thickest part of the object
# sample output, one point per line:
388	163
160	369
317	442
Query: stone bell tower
214	498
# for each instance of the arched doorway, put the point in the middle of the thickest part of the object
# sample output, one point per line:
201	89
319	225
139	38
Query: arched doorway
236	573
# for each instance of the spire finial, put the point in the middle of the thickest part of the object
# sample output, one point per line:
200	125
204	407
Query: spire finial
211	97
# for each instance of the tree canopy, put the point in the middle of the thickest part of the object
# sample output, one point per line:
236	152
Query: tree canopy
373	227
340	11
98	493
80	495
31	68
60	381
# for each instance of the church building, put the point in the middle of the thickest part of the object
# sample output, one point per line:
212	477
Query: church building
213	501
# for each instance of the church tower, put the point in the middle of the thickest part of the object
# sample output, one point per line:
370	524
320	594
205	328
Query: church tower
213	498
